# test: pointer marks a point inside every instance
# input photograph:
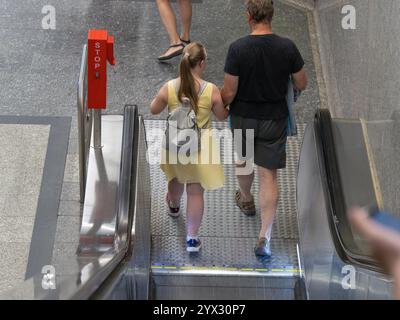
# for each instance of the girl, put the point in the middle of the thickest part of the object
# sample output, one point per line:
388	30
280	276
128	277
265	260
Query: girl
203	174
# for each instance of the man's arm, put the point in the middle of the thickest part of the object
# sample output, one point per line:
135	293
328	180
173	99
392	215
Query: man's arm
229	90
218	106
160	101
300	80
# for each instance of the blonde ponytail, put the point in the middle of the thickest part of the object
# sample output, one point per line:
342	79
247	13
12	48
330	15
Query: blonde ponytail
193	54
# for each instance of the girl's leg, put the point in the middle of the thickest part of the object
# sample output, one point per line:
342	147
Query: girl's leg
169	20
185	10
195	208
175	191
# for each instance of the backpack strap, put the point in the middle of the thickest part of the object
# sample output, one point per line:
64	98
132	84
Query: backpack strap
203	87
175	83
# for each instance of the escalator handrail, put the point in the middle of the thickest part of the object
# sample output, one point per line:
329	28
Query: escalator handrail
334	192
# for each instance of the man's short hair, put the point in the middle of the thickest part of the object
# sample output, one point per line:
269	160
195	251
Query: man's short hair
261	11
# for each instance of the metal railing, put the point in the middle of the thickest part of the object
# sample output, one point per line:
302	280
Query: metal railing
84	123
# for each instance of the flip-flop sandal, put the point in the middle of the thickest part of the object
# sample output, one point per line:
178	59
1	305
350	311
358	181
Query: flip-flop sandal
174	54
248	208
173	212
185	42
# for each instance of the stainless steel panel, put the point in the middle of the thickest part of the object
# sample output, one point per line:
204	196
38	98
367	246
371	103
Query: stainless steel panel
316	249
84	122
139	265
99	211
222	293
354	168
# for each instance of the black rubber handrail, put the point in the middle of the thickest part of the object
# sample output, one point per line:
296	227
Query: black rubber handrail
344	242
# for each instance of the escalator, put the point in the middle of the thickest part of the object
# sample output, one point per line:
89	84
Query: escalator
122	254
112	260
337	170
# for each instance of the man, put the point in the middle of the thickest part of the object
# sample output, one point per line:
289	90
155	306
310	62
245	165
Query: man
257	72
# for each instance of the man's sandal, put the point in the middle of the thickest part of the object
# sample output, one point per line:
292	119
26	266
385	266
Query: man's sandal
175	53
248	208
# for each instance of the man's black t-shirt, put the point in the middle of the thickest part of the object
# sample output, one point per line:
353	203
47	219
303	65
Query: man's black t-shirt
263	64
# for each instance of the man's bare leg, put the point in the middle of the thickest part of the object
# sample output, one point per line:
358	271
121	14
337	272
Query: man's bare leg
245	183
268	199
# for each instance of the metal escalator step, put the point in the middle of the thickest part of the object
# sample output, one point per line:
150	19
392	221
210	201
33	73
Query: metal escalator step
224	255
228	235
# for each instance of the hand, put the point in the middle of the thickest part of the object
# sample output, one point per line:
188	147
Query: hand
385	242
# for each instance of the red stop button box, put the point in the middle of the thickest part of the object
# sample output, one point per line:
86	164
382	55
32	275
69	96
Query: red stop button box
100	50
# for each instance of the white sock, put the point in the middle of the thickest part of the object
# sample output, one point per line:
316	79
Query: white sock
269	232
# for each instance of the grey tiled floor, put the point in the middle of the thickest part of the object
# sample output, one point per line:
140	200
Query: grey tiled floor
18	201
39	68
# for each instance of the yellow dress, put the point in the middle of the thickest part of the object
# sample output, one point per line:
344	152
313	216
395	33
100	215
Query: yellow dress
205	167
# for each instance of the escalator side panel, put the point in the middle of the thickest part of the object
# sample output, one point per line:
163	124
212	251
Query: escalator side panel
353	163
316	248
132	281
140	264
326	275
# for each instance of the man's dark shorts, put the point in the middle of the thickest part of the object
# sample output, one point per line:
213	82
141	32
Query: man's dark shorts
270	138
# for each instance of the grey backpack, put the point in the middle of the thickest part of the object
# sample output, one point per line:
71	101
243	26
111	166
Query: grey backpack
182	132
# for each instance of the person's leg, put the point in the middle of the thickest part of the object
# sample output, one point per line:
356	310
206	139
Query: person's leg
185	10
268	199
175	191
244	141
195	208
245	183
169	20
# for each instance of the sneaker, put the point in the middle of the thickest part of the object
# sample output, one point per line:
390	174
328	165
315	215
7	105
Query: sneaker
193	245
262	248
173	211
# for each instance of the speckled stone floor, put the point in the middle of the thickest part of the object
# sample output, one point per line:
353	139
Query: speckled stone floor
39	68
22	160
